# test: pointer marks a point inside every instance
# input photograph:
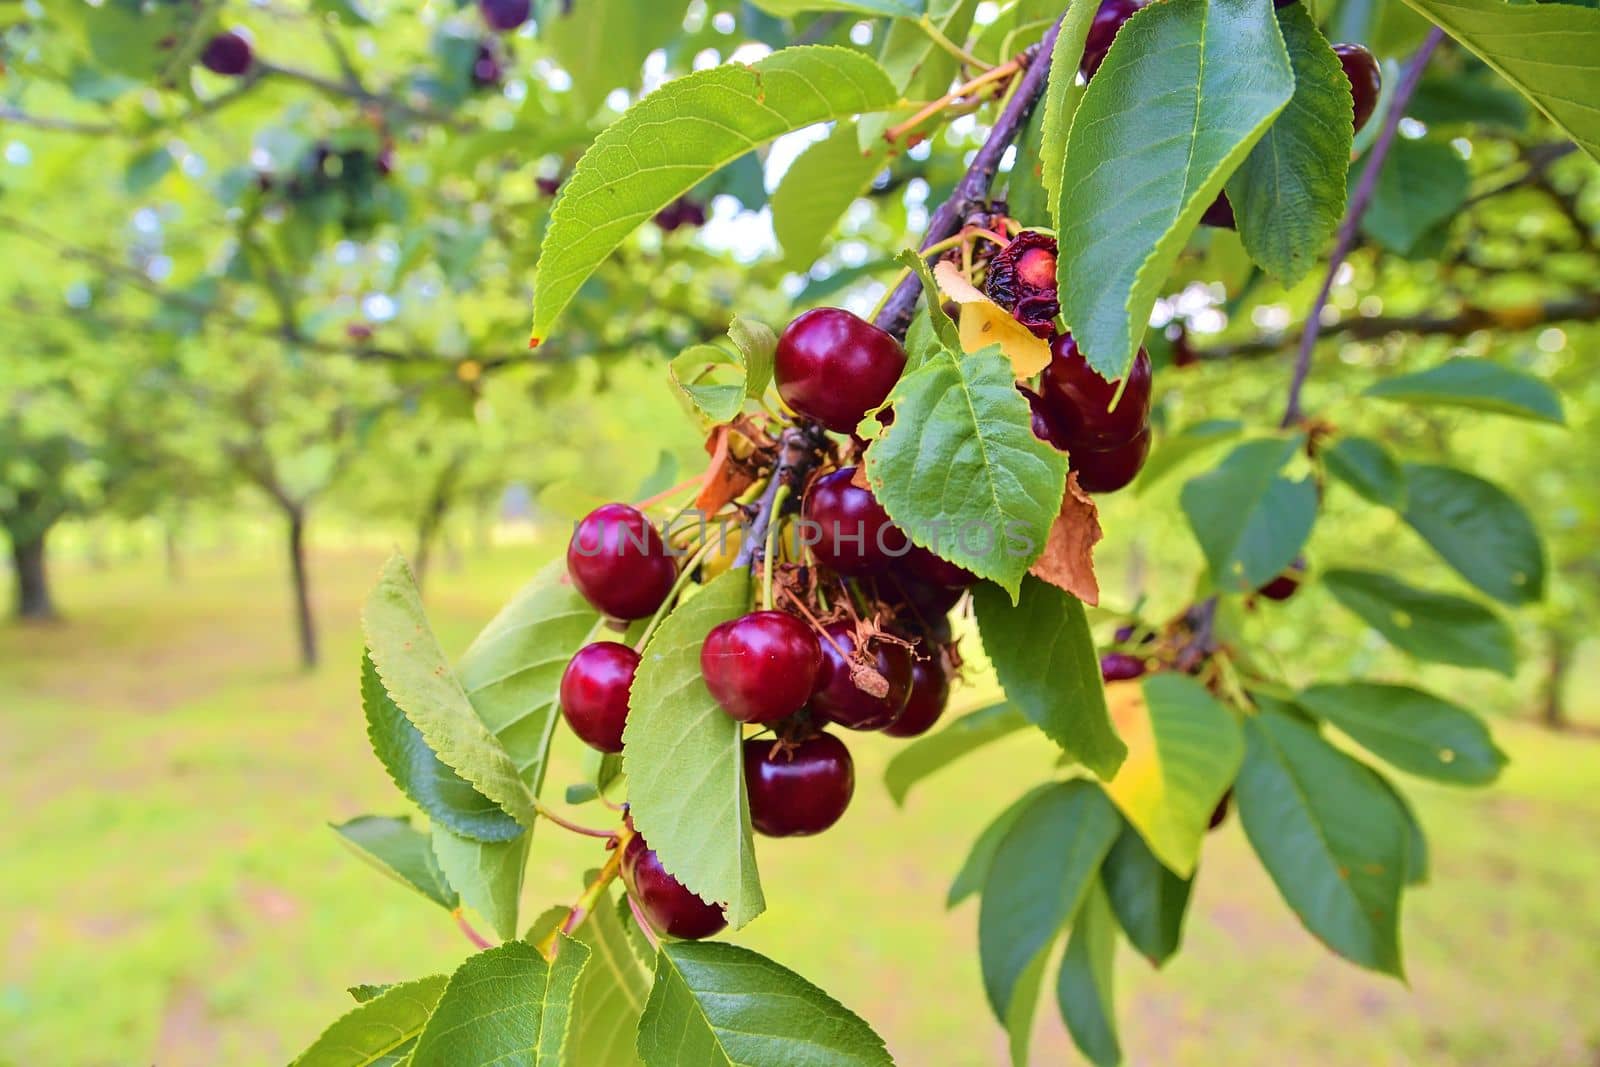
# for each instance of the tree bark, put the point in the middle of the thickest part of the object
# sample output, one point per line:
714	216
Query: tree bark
33	602
1558	664
305	622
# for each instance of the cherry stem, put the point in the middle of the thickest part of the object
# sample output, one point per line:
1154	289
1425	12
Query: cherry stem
668	494
585	903
932	108
937	36
477	939
644	924
800	606
567	824
768	566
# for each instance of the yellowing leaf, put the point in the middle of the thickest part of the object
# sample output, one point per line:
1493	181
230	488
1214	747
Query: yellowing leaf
983	323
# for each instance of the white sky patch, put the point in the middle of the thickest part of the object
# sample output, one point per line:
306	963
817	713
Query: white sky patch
786	149
749	52
742	234
379	307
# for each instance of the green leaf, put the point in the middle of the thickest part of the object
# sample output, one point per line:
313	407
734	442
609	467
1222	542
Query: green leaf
1413	730
1251	521
1187	442
1417	845
960	467
932	752
816	190
512	670
1478	384
758	347
1045	656
394	847
1477	529
718	1005
1062	95
603	44
443	795
1043	868
1456	99
980	858
488	875
1431	626
506	1005
146	169
1549	52
894	8
1084	989
1149	901
684	760
1422	184
1289	194
713	380
916	65
378	1031
1368	468
1184	749
1024	1005
418	678
941	334
678	135
1188	88
1330	834
612	992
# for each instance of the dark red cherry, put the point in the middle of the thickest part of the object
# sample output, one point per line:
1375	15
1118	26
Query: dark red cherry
681	212
1046	426
504	15
1078	398
1366	80
919	606
1120	667
1022	279
761	667
930	691
1111	469
1286	584
1220	812
837	697
594	693
1126	633
850	532
1102	31
921	565
619	562
485	67
833	366
227	53
800	789
667	904
1219	214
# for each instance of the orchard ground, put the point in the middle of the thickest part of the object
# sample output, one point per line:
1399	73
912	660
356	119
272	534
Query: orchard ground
172	895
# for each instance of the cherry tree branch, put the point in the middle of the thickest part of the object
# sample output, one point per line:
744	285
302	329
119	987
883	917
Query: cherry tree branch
799	447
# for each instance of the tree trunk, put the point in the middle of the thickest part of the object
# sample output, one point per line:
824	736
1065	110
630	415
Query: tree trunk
307	625
1558	665
33	602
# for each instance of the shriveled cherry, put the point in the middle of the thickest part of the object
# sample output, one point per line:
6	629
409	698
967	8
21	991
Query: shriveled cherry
853	534
1366	80
667	903
800	789
227	53
836	696
504	15
619	562
930	692
1022	279
761	667
1079	398
594	693
834	366
1106	471
1120	667
1102	31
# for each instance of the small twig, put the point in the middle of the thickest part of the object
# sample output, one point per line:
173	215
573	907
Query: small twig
768	566
798	449
938	37
566	824
932	108
476	938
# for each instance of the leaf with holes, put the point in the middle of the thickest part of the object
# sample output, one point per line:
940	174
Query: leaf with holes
1437	627
402	852
1410	729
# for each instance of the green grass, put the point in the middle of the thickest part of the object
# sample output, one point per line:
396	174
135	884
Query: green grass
171	894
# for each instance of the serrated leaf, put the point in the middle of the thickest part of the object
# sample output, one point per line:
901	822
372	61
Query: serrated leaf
512	670
442	794
1186	91
817	189
1478	529
685	762
396	848
419	680
718	1004
1148	900
1084	989
1549	52
961	469
505	1006
1289	194
1186	443
692	126
1432	626
1330	834
1040	874
1410	729
1368	468
488	875
1477	384
1045	657
932	752
1062	95
611	993
379	1031
1422	184
1183	752
1250	521
975	869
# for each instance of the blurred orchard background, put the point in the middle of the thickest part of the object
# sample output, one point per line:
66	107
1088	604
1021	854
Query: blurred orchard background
263	328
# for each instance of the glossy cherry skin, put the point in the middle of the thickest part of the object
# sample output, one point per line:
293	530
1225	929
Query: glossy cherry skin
1120	667
1366	80
619	562
1220	812
1078	398
761	667
1102	31
921	565
799	790
833	367
504	15
670	907
1219	214
851	533
1046	426
594	693
227	53
930	692
836	698
1112	469
1286	584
